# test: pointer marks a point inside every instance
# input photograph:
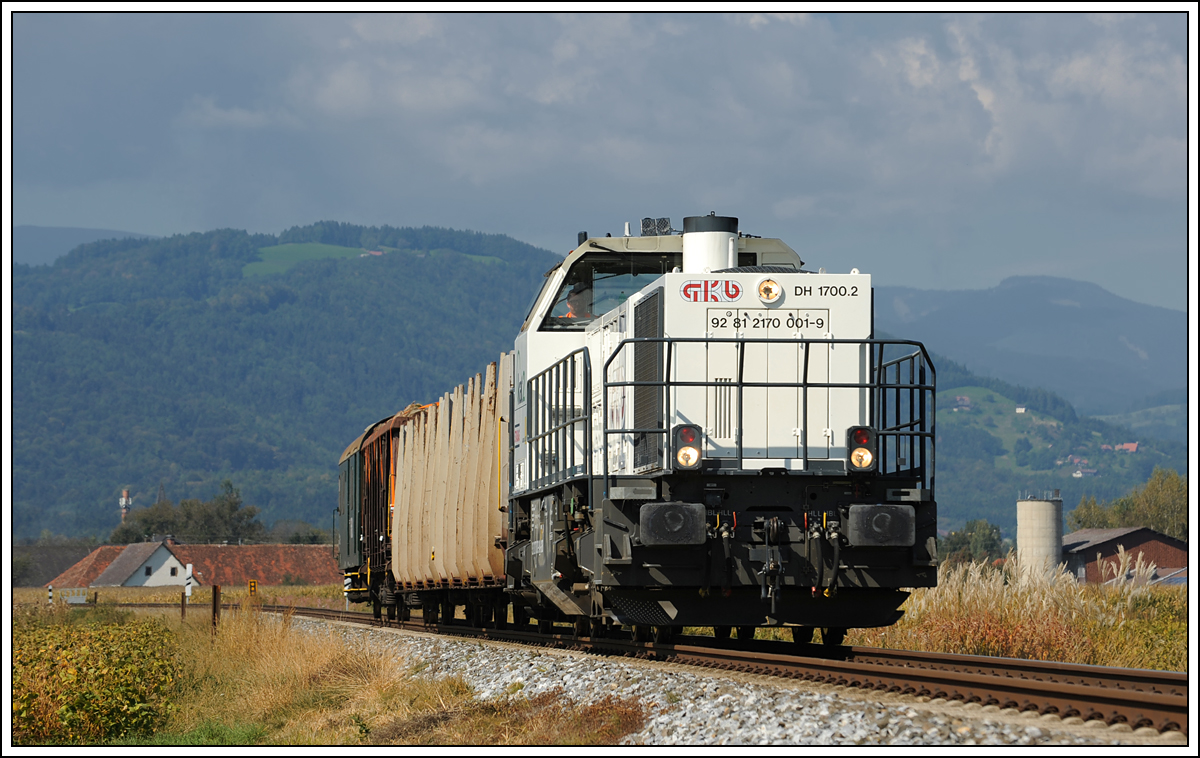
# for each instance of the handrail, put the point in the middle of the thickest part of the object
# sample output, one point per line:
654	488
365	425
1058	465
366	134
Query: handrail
878	385
548	434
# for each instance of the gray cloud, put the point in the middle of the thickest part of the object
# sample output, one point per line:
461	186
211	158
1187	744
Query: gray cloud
930	150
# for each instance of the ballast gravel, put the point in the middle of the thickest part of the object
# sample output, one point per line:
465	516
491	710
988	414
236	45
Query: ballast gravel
693	706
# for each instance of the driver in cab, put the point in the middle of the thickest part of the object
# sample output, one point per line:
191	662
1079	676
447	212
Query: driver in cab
579	302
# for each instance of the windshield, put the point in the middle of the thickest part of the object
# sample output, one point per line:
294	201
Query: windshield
599	282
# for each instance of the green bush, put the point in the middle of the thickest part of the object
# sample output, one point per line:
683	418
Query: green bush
85	684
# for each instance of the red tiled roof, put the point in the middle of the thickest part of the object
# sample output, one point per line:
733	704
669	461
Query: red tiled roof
230	565
92	565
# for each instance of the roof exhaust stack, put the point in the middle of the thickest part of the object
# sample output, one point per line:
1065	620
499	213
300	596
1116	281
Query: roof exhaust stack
709	243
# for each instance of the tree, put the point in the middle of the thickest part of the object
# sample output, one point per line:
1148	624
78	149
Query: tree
969	443
1160	504
143	523
22	569
979	540
222	519
295	532
1089	515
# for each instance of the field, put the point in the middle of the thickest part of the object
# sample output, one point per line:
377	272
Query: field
259	681
327	596
1048	440
976	609
279	258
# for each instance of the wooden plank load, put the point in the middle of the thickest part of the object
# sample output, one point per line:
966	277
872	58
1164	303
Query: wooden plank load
451	480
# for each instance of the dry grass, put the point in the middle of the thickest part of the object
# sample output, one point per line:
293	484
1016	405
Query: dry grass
298	687
977	609
546	719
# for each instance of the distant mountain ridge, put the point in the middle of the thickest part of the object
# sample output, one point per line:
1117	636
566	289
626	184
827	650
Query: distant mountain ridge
42	245
1100	351
175	362
145	362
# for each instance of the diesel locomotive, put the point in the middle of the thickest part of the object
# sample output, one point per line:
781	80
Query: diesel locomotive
692	430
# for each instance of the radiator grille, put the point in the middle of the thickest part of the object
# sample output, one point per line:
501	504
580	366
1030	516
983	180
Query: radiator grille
723	410
647	367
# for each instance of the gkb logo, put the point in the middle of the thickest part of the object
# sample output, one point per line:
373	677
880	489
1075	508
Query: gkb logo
710	291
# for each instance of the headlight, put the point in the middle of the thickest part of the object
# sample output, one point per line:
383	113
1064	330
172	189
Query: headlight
685	442
688	456
861	458
863	443
769	290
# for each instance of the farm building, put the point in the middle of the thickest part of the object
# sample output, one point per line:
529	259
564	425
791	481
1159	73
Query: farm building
1083	550
143	564
149	564
83	573
228	565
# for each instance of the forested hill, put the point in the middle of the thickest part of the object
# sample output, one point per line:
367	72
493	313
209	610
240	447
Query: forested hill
257	358
195	358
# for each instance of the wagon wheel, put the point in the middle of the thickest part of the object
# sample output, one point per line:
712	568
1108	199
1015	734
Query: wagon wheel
583	626
722	632
664	634
802	634
545	626
833	635
745	632
376	606
520	616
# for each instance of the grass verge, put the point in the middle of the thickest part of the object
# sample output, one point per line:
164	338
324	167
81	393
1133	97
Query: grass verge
260	681
980	609
318	688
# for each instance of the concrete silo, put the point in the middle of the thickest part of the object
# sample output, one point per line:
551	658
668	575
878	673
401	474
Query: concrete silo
1039	530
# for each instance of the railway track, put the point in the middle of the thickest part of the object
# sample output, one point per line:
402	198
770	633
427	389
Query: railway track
1137	697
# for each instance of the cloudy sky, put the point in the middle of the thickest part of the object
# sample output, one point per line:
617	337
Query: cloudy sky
933	151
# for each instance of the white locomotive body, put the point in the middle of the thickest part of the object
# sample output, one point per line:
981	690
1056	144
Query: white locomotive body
682	414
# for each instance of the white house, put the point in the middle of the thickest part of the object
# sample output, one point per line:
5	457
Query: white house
145	564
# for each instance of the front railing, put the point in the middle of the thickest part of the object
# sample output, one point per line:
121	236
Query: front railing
902	404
